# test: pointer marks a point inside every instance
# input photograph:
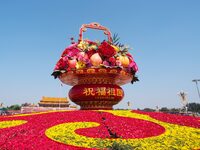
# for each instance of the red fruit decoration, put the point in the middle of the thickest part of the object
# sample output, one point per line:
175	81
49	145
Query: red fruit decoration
96	71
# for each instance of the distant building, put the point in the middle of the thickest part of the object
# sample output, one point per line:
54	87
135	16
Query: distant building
53	102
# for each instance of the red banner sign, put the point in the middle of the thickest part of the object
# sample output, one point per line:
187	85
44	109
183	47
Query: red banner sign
101	92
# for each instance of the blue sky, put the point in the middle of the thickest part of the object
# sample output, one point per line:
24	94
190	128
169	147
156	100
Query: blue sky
164	35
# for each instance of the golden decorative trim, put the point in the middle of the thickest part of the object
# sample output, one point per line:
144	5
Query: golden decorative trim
123	72
96	104
79	71
90	70
97	75
113	71
102	70
96	80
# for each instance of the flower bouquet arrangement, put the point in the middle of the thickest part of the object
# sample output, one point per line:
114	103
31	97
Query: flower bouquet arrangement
94	54
96	70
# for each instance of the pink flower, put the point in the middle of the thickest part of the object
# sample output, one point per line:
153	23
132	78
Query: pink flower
130	56
133	66
105	63
70	51
118	63
82	56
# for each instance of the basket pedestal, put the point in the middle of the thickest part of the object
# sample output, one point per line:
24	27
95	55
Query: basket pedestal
96	96
94	88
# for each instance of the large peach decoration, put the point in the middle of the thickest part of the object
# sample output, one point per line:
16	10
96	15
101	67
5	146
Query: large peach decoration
96	70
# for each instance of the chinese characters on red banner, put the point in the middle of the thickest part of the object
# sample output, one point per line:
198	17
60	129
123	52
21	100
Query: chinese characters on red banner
103	91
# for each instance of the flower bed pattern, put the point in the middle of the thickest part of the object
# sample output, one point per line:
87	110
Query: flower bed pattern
99	129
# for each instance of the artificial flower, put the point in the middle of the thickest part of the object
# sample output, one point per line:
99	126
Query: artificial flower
91	52
61	64
117	49
95	54
75	130
106	50
105	63
82	56
112	61
70	51
91	47
133	66
83	45
80	65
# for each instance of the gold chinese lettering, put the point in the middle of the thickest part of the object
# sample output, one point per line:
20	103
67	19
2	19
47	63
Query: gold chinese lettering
88	91
111	92
119	92
101	91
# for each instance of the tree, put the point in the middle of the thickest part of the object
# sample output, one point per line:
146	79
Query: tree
194	107
148	109
14	107
174	110
26	104
164	109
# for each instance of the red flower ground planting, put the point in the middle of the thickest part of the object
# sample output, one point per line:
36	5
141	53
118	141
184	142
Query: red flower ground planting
31	135
174	118
122	127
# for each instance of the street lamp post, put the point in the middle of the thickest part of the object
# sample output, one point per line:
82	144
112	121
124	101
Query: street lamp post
196	81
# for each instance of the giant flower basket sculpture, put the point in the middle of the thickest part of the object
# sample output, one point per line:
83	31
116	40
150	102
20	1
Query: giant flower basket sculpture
96	70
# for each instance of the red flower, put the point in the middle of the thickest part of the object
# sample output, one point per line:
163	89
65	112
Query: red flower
106	50
112	60
61	64
91	42
90	53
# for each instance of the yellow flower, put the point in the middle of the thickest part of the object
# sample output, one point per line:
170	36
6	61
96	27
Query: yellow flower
83	45
175	136
11	123
80	65
117	49
93	47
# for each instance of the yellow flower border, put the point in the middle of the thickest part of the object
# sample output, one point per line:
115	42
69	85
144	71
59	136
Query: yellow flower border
175	136
11	123
37	113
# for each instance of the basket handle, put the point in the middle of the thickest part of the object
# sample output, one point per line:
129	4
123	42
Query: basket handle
94	25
